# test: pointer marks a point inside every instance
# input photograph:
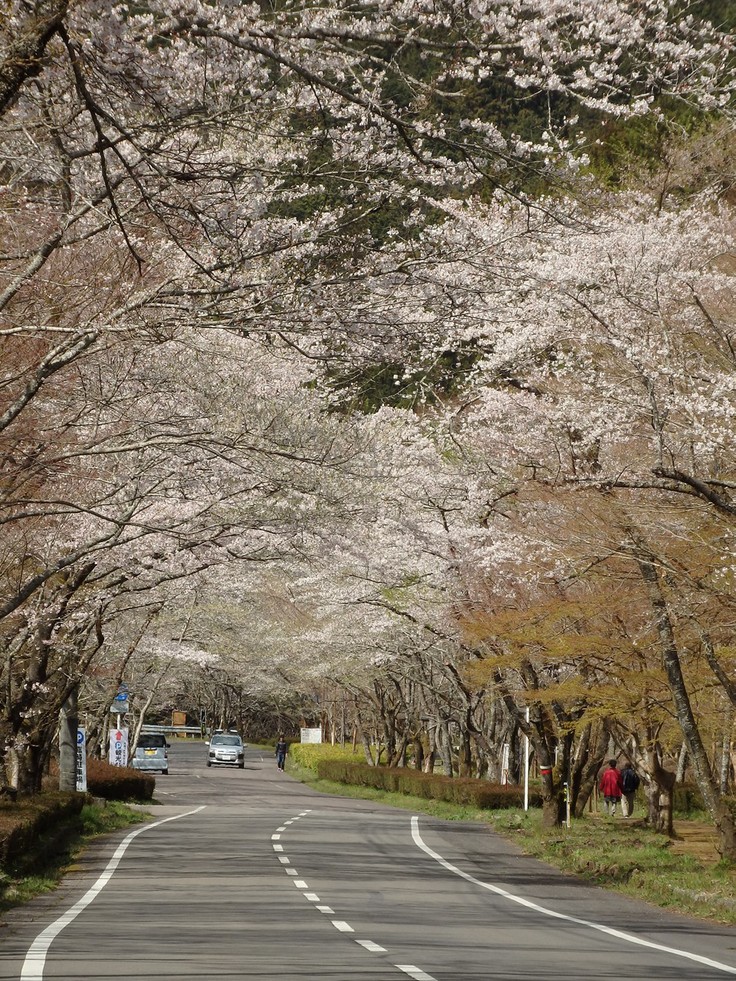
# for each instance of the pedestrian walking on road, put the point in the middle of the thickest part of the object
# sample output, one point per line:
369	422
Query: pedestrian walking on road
611	788
629	785
282	748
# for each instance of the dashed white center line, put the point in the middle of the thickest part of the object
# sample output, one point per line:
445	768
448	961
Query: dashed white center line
415	972
411	970
373	947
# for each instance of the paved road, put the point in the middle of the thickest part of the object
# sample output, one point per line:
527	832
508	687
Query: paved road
247	874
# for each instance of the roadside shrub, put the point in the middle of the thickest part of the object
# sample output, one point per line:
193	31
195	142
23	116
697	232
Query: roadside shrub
118	782
108	781
429	786
31	826
308	755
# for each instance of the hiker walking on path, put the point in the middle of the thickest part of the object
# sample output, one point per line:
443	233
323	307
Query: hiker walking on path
611	788
629	785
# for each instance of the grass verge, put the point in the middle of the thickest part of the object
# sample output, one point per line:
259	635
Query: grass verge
622	855
93	821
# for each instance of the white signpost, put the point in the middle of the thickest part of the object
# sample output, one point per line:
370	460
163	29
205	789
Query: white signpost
81	760
119	747
505	764
312	735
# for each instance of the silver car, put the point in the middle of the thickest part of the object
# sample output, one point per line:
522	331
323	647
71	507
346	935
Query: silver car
151	753
226	749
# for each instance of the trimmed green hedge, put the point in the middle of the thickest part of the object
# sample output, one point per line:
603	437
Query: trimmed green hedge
118	782
110	782
31	826
309	755
430	786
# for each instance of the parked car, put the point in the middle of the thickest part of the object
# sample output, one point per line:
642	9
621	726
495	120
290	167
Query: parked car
151	753
226	749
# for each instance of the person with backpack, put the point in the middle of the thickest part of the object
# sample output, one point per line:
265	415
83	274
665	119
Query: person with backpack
629	784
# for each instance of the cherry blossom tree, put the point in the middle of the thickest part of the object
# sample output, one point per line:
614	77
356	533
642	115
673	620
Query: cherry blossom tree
202	457
615	378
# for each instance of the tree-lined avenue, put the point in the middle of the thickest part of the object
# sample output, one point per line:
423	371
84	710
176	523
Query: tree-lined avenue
272	880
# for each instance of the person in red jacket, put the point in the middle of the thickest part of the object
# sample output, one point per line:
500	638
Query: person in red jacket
611	787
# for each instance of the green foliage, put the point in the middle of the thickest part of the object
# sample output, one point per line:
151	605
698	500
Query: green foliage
720	13
341	765
429	786
309	755
111	816
389	383
687	799
630	858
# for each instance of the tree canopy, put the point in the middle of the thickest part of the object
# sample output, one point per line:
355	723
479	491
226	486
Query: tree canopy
373	365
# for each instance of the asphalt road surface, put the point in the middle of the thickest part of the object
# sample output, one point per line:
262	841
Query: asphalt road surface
247	874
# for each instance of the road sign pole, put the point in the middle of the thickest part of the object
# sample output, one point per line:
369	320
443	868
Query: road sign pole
526	767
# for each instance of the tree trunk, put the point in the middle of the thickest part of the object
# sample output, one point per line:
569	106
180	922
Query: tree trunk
681	764
725	774
30	768
589	759
660	790
551	799
707	781
445	748
465	759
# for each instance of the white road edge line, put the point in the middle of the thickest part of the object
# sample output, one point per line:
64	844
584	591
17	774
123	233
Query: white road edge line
620	934
35	960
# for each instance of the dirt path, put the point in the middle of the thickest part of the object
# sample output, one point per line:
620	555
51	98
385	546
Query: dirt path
697	839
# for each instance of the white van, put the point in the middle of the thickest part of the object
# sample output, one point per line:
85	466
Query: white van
151	753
